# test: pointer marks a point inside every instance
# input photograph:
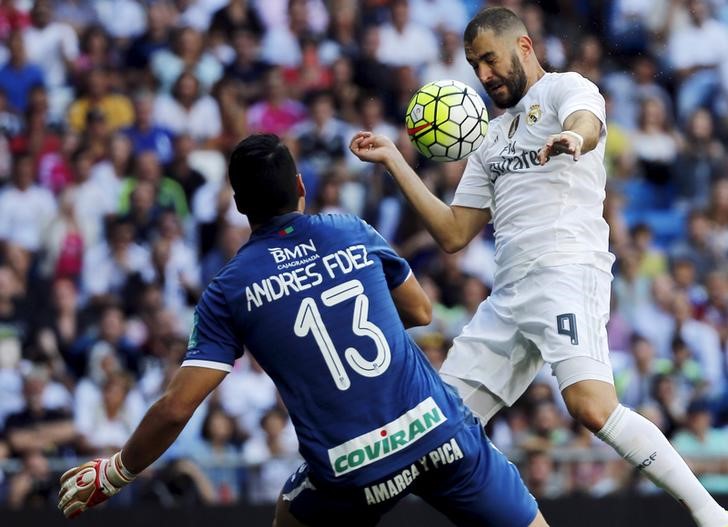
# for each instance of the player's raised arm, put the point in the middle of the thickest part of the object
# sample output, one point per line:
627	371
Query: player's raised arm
452	226
96	481
580	135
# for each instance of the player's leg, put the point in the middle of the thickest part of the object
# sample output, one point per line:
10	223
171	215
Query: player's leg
564	311
490	364
283	516
641	443
478	486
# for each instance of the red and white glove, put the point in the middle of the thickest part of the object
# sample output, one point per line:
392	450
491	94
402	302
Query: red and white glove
92	483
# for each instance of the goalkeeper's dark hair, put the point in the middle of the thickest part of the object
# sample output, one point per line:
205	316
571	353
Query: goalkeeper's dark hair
263	175
498	19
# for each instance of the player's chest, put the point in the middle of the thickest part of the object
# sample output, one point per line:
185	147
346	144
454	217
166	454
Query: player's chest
517	140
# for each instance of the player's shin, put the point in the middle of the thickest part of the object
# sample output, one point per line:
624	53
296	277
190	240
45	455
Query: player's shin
641	443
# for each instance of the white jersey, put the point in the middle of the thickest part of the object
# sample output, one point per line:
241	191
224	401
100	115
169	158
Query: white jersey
543	215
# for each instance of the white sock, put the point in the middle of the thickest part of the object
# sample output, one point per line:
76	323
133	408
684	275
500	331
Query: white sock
641	443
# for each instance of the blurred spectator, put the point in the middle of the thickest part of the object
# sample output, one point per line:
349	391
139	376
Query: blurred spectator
96	52
655	143
167	193
718	214
230	96
104	427
11	18
698	67
108	266
272	457
634	380
630	288
230	239
25	208
589	59
188	55
54	47
683	272
700	162
652	260
44	424
18	75
247	66
686	373
116	109
122	19
319	141
654	320
217	452
439	15
281	44
180	169
237	15
703	341
176	267
156	37
700	444
276	113
541	477
64	243
145	134
35	486
406	43
452	63
187	110
369	72
698	245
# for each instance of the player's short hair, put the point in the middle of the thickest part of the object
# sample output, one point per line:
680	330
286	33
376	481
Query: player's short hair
263	175
498	19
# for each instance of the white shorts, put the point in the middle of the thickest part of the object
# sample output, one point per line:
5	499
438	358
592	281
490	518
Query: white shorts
550	316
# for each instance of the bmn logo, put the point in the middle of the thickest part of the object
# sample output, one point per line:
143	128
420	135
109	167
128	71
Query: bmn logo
284	254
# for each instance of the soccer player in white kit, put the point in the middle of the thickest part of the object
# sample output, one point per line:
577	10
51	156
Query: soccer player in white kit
550	300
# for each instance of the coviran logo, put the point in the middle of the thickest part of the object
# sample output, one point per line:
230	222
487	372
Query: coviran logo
388	439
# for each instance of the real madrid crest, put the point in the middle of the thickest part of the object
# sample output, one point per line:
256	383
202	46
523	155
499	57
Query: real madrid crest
514	125
534	114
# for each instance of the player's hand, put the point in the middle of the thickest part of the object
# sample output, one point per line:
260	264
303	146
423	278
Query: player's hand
373	148
92	483
563	143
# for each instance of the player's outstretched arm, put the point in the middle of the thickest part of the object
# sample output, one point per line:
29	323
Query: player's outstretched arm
96	481
580	135
452	227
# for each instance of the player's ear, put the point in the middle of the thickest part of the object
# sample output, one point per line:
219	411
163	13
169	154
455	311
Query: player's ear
300	186
524	45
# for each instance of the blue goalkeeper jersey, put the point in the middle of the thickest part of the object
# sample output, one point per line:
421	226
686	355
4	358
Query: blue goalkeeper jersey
309	298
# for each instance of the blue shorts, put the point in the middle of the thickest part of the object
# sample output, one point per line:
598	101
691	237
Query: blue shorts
465	478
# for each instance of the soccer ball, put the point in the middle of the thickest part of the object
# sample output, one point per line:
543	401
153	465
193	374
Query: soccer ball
446	120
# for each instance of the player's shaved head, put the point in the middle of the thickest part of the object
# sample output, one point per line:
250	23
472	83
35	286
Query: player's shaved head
500	20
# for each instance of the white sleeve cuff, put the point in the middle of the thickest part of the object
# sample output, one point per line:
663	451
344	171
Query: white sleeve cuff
211	364
473	201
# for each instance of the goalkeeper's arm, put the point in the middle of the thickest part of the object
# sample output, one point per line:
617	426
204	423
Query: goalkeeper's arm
96	481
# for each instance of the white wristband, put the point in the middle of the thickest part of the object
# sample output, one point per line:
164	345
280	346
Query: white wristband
578	137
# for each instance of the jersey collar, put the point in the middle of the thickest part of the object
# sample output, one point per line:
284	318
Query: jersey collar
276	224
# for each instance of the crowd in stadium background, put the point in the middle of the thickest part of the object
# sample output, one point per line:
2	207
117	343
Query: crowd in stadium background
116	117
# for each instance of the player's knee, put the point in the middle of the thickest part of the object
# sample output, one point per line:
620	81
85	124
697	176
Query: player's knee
590	414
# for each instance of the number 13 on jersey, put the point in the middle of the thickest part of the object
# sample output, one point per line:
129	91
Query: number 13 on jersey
308	320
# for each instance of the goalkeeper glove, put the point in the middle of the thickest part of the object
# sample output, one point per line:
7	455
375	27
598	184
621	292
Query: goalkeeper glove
92	483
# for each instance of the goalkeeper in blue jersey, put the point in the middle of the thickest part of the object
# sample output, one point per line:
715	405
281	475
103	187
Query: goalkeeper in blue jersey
322	303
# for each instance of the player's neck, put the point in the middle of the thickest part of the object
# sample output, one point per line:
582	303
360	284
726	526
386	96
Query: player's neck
534	76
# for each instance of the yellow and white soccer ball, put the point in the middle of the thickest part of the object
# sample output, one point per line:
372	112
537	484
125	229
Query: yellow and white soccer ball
446	120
